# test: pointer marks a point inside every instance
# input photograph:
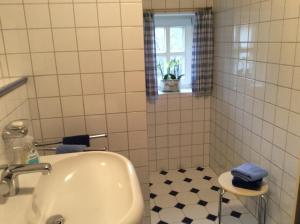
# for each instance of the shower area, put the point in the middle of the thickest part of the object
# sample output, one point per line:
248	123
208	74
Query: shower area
251	115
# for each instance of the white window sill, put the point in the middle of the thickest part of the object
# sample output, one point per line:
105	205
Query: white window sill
180	91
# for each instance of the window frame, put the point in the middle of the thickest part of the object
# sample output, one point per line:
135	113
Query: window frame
178	20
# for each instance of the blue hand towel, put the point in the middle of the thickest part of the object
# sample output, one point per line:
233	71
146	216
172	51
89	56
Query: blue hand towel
249	172
253	185
61	149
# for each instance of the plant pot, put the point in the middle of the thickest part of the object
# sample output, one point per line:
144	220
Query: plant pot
170	85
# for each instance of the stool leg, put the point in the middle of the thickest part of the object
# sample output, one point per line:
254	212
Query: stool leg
259	207
262	209
221	193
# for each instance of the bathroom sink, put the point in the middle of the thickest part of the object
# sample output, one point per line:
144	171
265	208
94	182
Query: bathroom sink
90	187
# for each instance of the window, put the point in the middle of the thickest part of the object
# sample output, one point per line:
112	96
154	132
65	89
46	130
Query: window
173	37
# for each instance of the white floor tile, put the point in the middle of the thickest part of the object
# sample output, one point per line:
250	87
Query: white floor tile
208	195
187	198
248	219
194	211
165	201
181	186
174	175
171	215
157	178
160	189
230	220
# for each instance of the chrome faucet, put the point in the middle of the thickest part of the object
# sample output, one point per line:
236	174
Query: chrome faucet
9	184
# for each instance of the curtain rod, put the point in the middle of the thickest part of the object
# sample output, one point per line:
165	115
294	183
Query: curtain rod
176	10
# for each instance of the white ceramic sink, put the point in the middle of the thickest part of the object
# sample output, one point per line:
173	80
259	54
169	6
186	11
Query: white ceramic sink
88	188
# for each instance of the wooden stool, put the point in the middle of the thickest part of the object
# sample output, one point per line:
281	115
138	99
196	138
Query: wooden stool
225	180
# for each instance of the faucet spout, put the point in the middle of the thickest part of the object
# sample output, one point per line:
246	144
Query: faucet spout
16	170
9	185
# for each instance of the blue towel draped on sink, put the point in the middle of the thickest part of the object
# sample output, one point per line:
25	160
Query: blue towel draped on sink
249	172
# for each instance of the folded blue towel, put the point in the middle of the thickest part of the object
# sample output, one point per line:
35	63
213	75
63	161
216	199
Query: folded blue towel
61	149
249	172
253	185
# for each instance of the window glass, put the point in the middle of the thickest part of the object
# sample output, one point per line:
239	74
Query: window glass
160	40
173	37
177	39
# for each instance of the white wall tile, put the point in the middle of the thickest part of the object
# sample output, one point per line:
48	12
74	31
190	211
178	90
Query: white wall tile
70	85
85	15
91	107
115	103
114	82
111	38
43	63
88	39
37	15
72	106
46	86
90	61
92	84
105	10
49	107
62	15
64	39
67	62
40	40
74	126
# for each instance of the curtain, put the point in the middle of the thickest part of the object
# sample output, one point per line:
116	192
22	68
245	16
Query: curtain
150	56
202	53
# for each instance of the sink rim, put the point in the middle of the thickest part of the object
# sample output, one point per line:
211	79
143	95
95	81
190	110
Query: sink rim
135	211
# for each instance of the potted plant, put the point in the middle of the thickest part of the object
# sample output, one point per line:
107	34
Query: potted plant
170	79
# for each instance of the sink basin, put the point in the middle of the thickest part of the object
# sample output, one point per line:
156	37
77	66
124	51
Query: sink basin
92	188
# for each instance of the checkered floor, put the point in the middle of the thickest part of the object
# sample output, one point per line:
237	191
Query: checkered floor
191	196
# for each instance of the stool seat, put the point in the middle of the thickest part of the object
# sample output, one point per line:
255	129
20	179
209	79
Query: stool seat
225	180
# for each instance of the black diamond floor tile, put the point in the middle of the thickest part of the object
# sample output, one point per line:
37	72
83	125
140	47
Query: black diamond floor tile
163	172
162	222
181	170
225	200
215	188
194	190
180	205
200	168
187	180
152	195
235	214
168	182
156	209
187	220
211	217
173	193
206	177
203	203
150	184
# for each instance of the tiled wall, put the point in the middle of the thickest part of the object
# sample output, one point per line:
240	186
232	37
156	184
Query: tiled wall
178	124
85	60
255	105
178	131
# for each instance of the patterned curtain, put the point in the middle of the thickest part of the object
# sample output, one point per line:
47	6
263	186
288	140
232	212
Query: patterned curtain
150	56
203	49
